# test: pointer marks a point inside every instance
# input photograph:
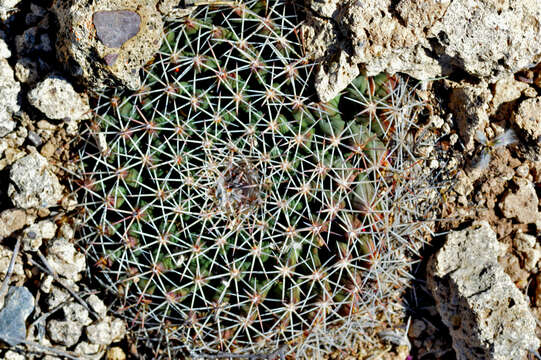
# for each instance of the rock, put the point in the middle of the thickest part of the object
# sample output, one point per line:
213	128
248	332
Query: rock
26	71
97	305
333	80
487	316
507	89
528	117
106	331
11	220
521	204
529	248
76	312
115	353
32	184
4	50
19	303
125	36
33	235
56	297
470	104
426	39
65	260
11	355
64	332
9	91
6	7
89	351
56	98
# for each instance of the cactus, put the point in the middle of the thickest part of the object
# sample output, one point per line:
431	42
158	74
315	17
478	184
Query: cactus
229	212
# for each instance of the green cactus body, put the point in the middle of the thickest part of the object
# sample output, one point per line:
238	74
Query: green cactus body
228	211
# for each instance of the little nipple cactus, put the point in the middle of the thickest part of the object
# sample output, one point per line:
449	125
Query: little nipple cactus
230	213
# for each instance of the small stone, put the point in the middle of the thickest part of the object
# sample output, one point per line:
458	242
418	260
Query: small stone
47	284
19	304
65	260
507	89
436	121
76	312
115	353
528	117
340	74
64	332
11	220
56	297
417	328
9	92
67	231
56	98
47	228
88	350
26	71
106	331
523	170
33	185
521	204
97	305
114	28
34	139
529	248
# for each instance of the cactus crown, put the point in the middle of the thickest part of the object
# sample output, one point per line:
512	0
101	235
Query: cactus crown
230	212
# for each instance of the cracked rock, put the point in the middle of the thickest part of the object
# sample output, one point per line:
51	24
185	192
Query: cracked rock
425	39
33	185
521	204
19	303
65	260
487	316
56	98
106	331
124	37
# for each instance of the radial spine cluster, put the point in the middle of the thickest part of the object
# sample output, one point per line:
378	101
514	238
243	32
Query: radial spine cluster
229	212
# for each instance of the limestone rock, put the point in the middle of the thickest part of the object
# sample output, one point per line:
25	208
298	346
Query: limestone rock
64	332
56	98
97	305
33	235
507	89
65	260
26	71
106	331
4	50
11	220
528	117
9	91
521	204
33	185
124	37
329	83
19	304
487	316
425	39
89	351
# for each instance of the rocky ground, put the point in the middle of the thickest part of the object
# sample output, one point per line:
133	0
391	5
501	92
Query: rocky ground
477	293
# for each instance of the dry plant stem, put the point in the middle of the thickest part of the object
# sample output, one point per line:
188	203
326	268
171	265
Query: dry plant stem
4	288
51	272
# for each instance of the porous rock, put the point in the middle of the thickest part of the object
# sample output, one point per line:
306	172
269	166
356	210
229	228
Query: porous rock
18	305
425	39
11	220
528	117
64	332
105	43
33	184
521	204
9	90
56	98
65	260
487	316
4	50
97	305
26	71
33	235
106	331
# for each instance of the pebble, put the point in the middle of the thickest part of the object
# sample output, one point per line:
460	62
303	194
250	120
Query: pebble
106	331
115	353
114	28
19	304
521	204
11	220
65	260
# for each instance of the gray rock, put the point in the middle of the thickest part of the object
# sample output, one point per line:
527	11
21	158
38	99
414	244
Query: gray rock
521	204
33	185
114	28
487	316
124	37
56	98
9	91
65	260
18	305
528	117
425	39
